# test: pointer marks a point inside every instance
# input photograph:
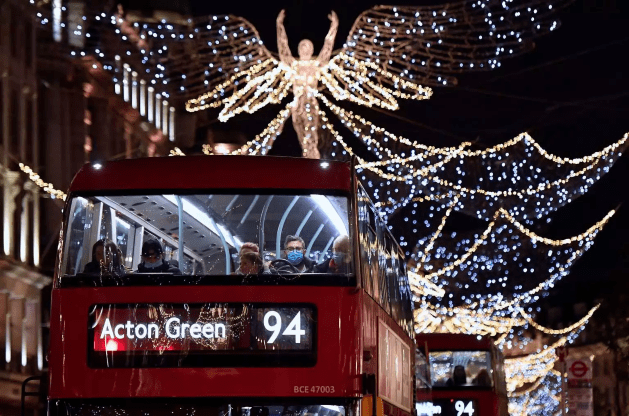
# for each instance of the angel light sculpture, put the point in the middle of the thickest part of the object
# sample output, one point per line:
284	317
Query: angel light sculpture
306	74
390	53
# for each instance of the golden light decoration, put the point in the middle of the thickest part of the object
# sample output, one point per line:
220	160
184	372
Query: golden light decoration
47	187
176	152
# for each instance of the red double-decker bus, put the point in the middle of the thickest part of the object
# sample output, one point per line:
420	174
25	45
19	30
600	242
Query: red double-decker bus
154	314
459	375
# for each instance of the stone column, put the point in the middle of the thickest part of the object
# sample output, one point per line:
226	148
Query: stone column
171	125
5	327
11	189
25	222
158	111
126	82
151	104
143	98
165	117
16	328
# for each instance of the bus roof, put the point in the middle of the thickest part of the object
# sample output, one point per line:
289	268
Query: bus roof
213	172
454	342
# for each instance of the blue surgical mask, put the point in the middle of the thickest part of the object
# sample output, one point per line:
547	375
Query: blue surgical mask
295	257
338	258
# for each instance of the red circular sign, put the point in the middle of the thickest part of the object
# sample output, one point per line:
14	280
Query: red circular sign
579	368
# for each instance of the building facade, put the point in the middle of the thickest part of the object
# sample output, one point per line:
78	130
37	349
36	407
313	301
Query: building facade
57	112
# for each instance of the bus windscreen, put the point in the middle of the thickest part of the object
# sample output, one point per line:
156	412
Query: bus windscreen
143	239
460	369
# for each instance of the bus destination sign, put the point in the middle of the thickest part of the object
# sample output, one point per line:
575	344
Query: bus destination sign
198	334
447	407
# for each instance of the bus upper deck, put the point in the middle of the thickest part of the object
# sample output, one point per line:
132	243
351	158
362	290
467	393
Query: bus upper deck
460	374
202	218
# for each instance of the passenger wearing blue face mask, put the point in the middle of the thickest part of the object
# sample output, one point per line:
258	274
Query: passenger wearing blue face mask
341	259
294	252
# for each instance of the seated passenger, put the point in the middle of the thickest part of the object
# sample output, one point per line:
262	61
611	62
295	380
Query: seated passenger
341	258
294	250
106	258
252	248
153	259
483	378
250	263
459	377
249	248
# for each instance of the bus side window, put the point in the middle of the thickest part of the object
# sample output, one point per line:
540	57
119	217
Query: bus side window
363	235
373	252
498	360
78	250
405	293
392	279
422	374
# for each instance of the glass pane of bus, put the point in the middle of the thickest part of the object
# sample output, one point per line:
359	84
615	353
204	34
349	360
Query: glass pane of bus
177	408
422	373
456	369
202	234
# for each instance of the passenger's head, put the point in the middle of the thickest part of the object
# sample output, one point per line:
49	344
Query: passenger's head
459	377
249	248
152	252
294	249
106	253
305	49
483	378
250	263
341	250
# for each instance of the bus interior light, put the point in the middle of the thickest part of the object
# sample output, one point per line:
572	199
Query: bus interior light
331	213
202	217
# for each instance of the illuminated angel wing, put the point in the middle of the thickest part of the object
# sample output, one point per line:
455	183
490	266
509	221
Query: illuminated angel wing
210	60
428	45
218	60
236	71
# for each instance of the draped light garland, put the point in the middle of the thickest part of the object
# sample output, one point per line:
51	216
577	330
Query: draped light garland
45	186
220	61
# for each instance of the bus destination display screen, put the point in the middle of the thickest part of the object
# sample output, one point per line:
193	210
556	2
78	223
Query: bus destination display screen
194	335
447	407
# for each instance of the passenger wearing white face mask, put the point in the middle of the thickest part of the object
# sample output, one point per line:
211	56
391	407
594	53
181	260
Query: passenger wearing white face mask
153	259
341	258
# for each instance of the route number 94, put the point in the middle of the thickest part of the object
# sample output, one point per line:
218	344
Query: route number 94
273	323
461	408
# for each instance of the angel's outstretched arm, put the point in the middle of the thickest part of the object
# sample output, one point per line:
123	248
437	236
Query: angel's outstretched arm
282	41
328	45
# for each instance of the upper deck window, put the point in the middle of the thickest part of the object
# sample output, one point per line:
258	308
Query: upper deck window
460	369
203	238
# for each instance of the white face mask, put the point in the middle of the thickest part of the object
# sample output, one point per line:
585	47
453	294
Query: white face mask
152	265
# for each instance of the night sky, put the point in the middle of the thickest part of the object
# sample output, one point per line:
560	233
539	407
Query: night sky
571	94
